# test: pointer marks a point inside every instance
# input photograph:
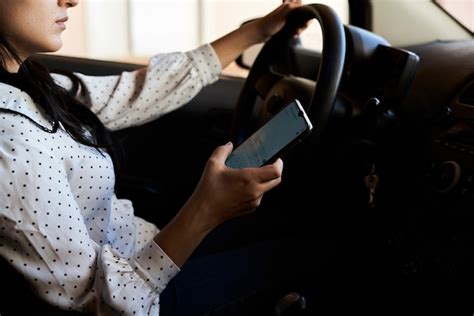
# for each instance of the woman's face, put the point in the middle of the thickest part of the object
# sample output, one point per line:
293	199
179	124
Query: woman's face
34	26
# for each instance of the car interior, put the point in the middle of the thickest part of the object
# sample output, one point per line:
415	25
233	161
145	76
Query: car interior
387	175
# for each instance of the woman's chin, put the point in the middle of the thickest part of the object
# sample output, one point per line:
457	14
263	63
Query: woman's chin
53	46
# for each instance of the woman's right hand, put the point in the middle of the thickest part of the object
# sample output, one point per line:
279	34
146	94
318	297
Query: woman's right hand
224	193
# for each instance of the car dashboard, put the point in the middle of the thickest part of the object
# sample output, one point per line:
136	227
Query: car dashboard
417	242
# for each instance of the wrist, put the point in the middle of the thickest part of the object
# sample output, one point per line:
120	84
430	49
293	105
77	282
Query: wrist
252	33
180	237
194	214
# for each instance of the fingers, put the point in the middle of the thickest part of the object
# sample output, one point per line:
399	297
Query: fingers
267	186
293	2
270	172
221	153
279	164
269	175
252	205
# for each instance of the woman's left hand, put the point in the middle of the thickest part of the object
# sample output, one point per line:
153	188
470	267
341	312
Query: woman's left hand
274	21
230	46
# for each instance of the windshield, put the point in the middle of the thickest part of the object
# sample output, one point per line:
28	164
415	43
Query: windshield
134	30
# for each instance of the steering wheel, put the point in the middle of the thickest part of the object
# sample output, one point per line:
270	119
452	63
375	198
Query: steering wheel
270	79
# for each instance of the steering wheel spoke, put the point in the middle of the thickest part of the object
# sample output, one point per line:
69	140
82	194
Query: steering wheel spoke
264	84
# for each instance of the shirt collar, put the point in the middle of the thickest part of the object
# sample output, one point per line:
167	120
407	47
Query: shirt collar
14	100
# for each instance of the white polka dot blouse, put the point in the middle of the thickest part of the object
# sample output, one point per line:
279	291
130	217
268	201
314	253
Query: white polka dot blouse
61	225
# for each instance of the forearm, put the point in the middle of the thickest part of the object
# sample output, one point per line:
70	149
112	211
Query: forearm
230	46
183	234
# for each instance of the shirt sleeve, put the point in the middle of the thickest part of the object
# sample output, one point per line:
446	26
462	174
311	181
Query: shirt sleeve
44	236
137	97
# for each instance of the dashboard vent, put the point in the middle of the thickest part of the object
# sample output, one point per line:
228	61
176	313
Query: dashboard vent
467	95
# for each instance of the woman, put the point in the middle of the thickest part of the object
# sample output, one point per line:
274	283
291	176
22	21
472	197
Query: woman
62	227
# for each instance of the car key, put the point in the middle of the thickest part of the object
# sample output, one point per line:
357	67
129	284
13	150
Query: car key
371	181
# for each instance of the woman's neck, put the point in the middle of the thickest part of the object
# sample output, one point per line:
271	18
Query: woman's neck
12	67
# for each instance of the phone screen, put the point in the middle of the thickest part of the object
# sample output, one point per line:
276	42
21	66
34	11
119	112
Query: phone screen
281	131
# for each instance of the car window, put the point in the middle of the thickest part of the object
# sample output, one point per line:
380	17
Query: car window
134	30
406	23
461	10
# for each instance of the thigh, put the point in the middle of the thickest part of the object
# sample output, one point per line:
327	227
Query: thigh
246	280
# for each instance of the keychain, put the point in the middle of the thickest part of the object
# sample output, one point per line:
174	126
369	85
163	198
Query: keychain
371	181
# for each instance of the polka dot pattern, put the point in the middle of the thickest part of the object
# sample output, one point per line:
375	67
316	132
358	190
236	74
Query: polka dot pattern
61	224
138	97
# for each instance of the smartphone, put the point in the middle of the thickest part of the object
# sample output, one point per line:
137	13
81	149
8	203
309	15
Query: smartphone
290	125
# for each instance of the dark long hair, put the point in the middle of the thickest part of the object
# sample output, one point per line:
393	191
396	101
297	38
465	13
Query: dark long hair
61	105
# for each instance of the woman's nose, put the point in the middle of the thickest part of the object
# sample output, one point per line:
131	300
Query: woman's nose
69	3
